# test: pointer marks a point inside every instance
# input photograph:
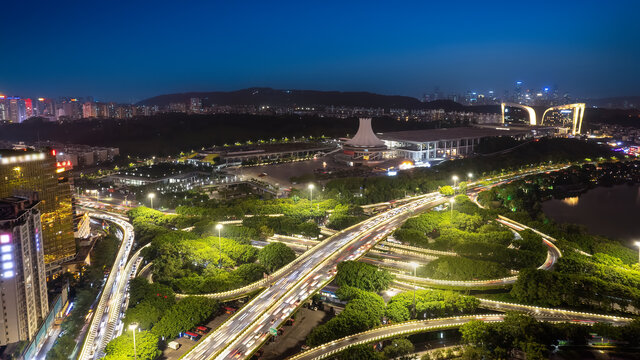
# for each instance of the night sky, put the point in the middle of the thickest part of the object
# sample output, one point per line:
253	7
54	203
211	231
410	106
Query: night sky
129	50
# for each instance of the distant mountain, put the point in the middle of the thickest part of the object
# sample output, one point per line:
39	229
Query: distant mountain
268	96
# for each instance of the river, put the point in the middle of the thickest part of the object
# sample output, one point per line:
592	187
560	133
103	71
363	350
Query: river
610	211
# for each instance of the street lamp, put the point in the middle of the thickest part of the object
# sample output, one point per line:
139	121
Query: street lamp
637	243
455	180
219	227
133	327
451	201
311	186
415	267
470	176
151	196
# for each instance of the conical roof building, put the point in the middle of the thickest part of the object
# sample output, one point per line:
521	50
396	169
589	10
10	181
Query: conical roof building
365	147
365	138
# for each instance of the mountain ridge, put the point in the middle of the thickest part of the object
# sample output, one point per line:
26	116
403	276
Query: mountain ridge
268	96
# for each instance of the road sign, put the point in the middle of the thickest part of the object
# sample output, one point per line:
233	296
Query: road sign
273	331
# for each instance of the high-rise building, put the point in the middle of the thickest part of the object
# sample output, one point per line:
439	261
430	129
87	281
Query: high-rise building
24	288
195	105
4	109
36	171
28	106
89	110
17	109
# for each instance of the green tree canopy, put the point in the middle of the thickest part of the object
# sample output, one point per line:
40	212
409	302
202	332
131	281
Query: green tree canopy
121	348
275	255
363	276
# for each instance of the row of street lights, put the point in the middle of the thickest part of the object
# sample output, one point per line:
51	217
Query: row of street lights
455	179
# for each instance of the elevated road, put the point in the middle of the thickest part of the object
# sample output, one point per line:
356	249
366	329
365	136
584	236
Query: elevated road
108	313
412	327
242	334
553	254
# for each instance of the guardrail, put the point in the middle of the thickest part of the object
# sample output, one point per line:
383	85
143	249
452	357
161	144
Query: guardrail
418	249
501	305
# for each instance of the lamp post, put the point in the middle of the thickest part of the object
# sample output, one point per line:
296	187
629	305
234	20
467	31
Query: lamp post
415	267
311	186
470	176
451	201
133	327
455	182
219	227
151	196
637	243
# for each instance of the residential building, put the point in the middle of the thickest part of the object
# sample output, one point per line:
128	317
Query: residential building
24	289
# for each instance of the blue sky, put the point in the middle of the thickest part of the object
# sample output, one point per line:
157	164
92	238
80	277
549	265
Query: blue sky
130	50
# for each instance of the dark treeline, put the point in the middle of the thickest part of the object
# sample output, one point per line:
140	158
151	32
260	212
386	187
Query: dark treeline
171	133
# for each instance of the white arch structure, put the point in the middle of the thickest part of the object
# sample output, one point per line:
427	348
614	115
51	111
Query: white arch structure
578	114
532	113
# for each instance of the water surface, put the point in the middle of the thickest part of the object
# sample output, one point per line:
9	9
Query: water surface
609	211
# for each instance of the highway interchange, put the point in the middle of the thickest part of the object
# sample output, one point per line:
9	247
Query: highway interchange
248	329
243	334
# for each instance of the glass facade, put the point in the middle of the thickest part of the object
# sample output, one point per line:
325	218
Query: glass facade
37	171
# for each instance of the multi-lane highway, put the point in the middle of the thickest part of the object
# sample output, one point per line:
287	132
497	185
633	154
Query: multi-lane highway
107	316
241	335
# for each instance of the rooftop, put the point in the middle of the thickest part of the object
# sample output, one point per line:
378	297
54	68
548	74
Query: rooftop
448	134
9	156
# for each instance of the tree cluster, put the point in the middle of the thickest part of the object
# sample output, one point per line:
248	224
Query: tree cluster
429	304
521	334
275	255
362	276
121	348
363	312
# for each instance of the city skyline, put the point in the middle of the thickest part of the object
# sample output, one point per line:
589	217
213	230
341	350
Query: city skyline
131	52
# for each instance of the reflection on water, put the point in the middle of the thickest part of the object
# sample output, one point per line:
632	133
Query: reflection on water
571	201
609	211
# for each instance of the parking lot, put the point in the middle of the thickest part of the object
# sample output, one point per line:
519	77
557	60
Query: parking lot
186	344
294	336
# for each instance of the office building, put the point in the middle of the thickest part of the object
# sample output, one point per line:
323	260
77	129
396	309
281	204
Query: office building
36	171
24	289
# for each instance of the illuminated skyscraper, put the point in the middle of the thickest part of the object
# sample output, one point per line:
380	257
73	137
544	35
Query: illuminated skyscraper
24	288
28	106
17	109
34	171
